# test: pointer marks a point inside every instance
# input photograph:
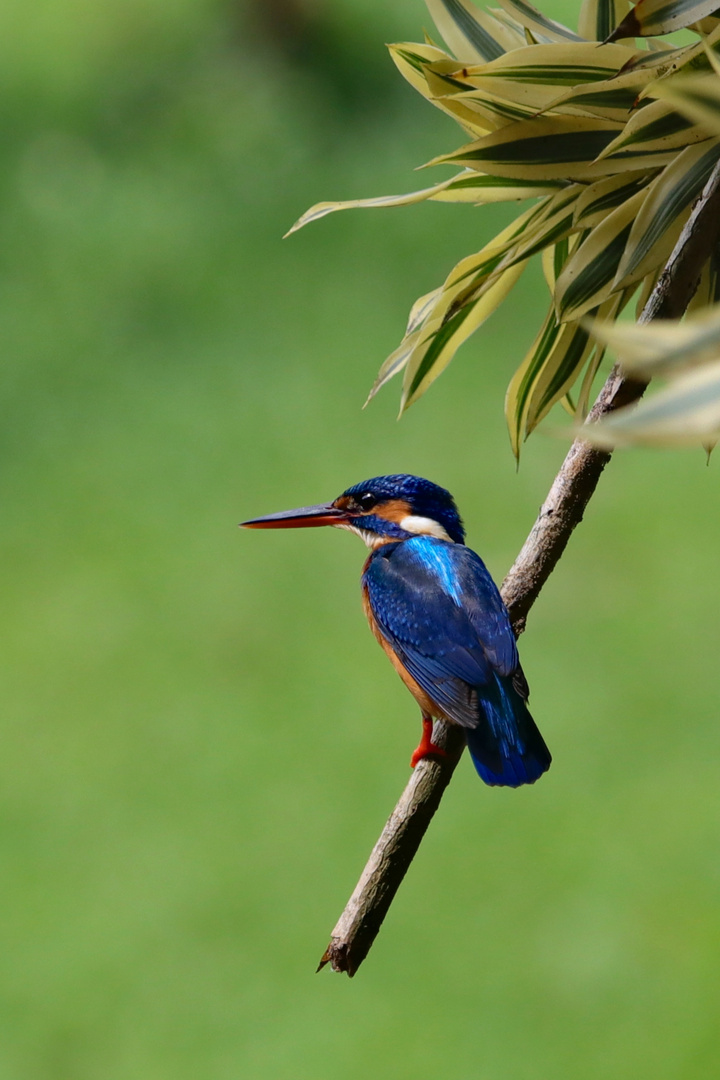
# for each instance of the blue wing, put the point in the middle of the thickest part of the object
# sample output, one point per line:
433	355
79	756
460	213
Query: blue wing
437	605
439	609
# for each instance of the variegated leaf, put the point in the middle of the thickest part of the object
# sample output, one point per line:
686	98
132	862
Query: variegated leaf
598	18
665	210
564	364
551	224
529	16
549	148
554	258
439	343
644	292
662	347
559	373
450	89
695	96
472	273
538	74
555	225
518	392
475	188
652	17
588	277
610	310
470	33
413	62
395	363
495	110
610	99
684	413
420	311
430	313
599	199
519	33
653	130
321	209
467	187
583	401
708	290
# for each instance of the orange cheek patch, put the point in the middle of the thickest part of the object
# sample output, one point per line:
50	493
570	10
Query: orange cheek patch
394	510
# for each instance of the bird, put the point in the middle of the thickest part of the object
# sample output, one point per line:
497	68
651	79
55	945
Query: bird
438	615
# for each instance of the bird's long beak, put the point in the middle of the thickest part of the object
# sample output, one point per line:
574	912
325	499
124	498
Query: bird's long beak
306	517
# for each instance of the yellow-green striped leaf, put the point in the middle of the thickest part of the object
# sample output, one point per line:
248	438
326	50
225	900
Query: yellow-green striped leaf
598	18
564	365
414	61
394	364
529	16
468	187
439	343
652	17
654	129
608	311
583	401
411	60
520	387
559	373
519	33
684	413
537	74
665	210
448	88
472	187
643	293
663	347
708	291
554	258
431	312
471	34
597	200
420	311
549	148
696	96
472	273
550	224
321	209
588	277
495	110
396	361
548	229
611	99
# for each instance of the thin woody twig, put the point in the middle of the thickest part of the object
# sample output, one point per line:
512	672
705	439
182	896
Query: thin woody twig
561	512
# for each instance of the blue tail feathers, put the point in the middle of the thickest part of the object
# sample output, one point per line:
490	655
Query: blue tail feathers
506	747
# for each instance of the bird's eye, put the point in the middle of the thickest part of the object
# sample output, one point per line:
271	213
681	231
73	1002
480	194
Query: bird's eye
366	501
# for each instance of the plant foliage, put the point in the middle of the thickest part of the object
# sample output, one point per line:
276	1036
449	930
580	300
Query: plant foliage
611	137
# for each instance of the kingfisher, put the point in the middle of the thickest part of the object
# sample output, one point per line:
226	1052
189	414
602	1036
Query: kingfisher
438	615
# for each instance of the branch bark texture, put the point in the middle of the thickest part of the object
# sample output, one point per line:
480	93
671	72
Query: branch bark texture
561	512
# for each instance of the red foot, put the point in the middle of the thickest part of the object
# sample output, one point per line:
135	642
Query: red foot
426	746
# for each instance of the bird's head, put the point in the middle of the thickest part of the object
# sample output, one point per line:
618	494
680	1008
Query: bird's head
381	510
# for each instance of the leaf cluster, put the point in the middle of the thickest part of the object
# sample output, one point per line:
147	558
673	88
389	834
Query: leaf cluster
611	138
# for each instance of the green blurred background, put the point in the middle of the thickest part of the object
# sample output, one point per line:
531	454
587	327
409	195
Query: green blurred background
200	738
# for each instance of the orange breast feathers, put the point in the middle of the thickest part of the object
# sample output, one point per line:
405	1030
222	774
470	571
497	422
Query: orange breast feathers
427	705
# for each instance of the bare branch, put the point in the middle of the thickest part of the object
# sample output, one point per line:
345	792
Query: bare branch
561	512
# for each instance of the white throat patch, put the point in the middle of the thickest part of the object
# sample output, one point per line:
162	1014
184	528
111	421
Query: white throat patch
370	539
423	526
419	526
